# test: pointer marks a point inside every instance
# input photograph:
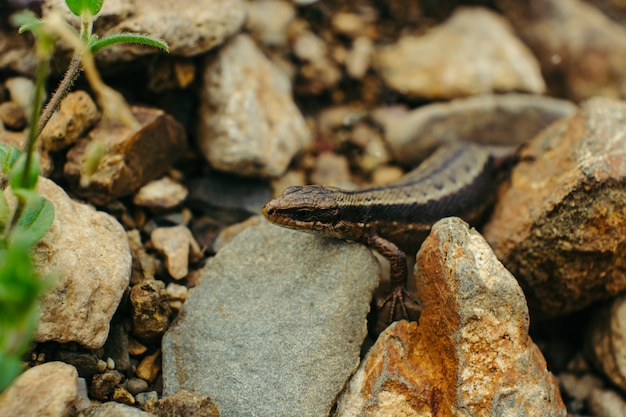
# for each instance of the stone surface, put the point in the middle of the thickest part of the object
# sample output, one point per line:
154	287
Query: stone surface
249	124
150	366
76	114
86	253
136	385
21	91
268	20
178	246
606	341
229	199
582	52
17	52
12	115
150	311
559	227
116	348
275	324
113	409
189	27
47	390
509	119
131	157
161	194
474	52
606	403
183	403
470	354
87	364
102	385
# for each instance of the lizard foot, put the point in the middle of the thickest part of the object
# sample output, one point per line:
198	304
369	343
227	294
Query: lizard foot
397	300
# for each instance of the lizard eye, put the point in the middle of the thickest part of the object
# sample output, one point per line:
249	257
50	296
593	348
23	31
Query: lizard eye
303	214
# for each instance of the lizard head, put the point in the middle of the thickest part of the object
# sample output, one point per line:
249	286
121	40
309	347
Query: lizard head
311	208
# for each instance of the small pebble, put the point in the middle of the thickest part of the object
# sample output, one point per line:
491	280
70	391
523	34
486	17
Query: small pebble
176	292
150	366
121	395
135	347
161	194
144	397
21	91
136	385
12	115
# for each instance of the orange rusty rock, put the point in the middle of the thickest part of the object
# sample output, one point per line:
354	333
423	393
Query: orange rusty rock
469	355
559	227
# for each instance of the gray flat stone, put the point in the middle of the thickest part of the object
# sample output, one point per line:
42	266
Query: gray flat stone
274	326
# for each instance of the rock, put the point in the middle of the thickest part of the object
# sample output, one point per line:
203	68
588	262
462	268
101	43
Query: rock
318	71
582	52
113	409
474	52
228	234
135	347
559	226
606	340
12	115
131	158
150	366
21	90
75	116
332	169
47	390
161	195
350	24
226	198
578	388
17	55
144	264
275	324
87	254
121	395
102	385
116	348
268	21
249	124
359	57
178	247
606	403
136	385
183	403
87	364
189	27
510	119
150	311
470	354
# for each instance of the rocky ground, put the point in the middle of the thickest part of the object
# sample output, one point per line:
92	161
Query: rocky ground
175	298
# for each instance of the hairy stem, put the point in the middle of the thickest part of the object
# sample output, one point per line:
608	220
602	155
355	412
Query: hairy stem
64	87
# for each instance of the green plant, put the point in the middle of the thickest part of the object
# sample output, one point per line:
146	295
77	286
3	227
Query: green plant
25	222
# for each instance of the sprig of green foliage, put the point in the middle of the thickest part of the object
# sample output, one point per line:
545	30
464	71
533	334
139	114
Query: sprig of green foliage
25	222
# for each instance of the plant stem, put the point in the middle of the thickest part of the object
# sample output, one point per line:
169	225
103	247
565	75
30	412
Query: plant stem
64	87
29	147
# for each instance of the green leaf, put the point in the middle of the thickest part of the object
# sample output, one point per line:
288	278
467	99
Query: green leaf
26	20
5	212
10	368
78	7
36	218
96	45
8	156
19	179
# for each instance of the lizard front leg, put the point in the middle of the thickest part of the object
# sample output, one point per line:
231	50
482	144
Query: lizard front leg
397	274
